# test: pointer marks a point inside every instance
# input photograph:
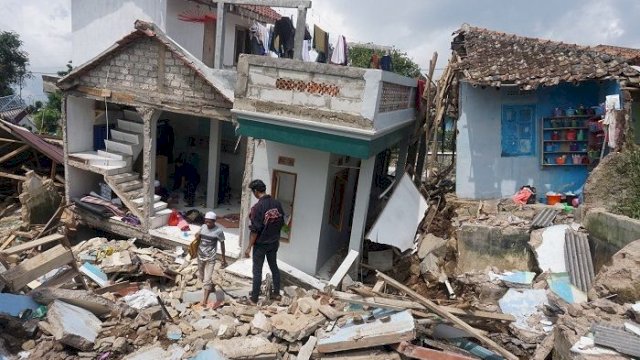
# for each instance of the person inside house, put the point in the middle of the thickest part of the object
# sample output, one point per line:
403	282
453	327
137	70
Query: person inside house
207	240
186	178
164	150
266	220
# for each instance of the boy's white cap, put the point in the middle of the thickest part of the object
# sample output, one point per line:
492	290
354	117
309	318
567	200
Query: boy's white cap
210	215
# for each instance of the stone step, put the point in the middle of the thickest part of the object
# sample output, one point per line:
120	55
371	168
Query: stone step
160	219
140	200
126	136
132	115
131	126
130	185
134	194
121	147
126	177
114	155
157	206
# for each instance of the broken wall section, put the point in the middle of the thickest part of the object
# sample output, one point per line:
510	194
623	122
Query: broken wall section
39	198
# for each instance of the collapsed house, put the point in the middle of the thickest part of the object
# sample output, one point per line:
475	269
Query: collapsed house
529	111
318	135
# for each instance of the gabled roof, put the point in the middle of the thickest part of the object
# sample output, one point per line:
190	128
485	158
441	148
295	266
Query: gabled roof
494	58
221	80
12	108
266	12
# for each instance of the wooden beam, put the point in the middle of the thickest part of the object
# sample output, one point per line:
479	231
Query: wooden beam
101	93
348	261
271	3
447	315
10	140
12	176
479	314
13	153
30	269
8	241
32	244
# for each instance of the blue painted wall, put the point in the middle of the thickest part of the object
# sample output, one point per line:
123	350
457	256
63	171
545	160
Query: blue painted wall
481	170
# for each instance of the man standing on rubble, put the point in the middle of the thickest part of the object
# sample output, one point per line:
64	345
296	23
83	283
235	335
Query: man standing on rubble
207	238
266	220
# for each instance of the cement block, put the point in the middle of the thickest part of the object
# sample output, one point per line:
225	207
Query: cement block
73	326
294	75
277	96
253	347
346	105
262	80
480	246
309	100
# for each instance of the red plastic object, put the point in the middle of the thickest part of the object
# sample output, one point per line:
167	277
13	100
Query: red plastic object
553	199
174	218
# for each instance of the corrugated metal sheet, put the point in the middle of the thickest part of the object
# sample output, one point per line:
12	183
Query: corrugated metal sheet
544	218
51	151
616	338
577	256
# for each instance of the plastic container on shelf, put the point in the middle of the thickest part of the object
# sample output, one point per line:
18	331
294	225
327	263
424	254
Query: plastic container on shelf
558	112
571	111
571	134
561	160
553	198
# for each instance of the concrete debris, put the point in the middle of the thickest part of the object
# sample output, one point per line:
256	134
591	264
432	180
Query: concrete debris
39	198
72	325
141	299
98	305
261	323
430	243
622	276
15	305
249	348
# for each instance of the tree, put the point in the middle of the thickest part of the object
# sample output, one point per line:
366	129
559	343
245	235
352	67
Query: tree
47	117
402	63
13	62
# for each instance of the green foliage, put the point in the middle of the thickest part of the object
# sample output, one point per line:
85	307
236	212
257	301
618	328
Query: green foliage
13	62
628	168
47	117
402	64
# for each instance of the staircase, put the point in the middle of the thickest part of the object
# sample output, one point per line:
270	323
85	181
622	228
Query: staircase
128	187
115	163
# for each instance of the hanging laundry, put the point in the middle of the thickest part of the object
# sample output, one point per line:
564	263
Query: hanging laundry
386	63
340	53
610	118
321	44
256	39
306	44
285	32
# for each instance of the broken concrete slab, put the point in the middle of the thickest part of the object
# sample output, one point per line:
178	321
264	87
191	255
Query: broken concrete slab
209	354
389	328
344	268
560	284
14	305
430	243
622	276
549	245
369	354
245	348
117	262
330	312
39	198
72	325
307	349
481	246
399	220
95	273
295	327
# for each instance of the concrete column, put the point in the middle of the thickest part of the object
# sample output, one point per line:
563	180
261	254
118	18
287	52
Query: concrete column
214	164
402	157
218	55
300	27
363	191
65	148
150	120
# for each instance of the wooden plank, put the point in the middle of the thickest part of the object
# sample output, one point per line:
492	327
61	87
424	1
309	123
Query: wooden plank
102	93
8	241
447	315
32	268
13	153
378	287
32	244
113	288
343	269
10	140
479	314
12	176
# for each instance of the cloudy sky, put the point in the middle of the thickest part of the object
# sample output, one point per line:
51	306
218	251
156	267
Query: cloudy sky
418	27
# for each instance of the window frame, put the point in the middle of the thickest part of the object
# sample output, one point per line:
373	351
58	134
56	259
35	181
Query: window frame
513	132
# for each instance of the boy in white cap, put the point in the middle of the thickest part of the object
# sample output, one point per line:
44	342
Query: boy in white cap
209	236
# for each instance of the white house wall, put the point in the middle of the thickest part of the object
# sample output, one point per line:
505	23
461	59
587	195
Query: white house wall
80	114
311	170
98	24
189	35
81	182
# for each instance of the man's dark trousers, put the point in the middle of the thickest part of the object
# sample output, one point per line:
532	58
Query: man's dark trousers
260	251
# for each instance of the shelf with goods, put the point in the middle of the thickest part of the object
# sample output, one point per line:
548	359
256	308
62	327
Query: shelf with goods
569	140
